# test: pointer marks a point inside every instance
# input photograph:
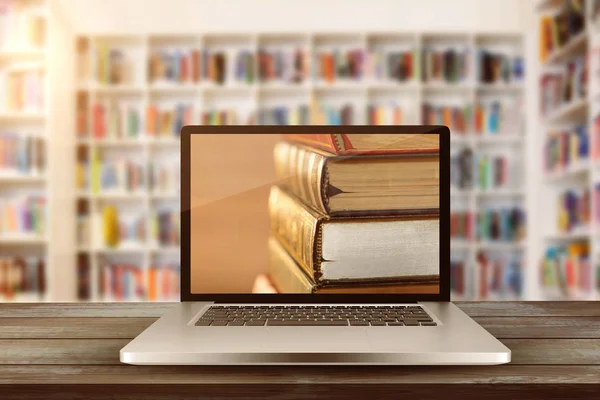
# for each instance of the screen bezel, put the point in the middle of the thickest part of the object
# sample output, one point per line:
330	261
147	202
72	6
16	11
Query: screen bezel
444	240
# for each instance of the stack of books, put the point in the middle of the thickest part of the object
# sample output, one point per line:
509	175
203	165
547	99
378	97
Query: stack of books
21	275
362	224
175	67
167	120
556	30
566	269
573	209
21	154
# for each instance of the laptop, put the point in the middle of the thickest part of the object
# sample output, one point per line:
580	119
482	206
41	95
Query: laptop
315	245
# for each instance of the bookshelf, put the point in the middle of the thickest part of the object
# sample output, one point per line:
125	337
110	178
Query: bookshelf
302	82
569	259
24	155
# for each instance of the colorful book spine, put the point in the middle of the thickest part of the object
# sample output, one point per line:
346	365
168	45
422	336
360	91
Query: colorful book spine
573	209
163	283
490	172
175	66
23	216
164	177
166	227
118	175
283	116
164	122
566	270
115	121
385	115
123	282
503	224
497	117
457	118
221	117
291	66
21	154
449	65
461	225
495	67
564	148
499	275
24	90
22	275
560	88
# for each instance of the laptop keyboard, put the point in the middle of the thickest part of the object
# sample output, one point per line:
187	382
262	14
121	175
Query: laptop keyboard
315	316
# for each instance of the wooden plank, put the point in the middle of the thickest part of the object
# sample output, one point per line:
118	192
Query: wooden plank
106	351
83	310
178	375
531	309
73	328
302	391
475	309
128	328
535	327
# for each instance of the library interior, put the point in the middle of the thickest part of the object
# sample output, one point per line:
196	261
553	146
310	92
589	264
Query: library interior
94	94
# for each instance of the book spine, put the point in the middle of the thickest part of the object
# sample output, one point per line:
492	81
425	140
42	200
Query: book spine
284	272
296	227
303	172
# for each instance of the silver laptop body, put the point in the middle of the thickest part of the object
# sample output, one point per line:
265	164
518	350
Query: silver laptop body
176	339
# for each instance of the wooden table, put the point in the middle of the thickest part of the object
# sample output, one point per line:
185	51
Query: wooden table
72	350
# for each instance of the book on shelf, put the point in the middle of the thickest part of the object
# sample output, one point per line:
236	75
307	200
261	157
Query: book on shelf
557	29
22	275
459	277
334	185
564	148
456	118
122	282
213	66
175	66
332	115
112	120
83	279
168	121
221	117
282	115
559	88
506	224
596	206
22	154
165	227
495	67
290	66
339	64
24	215
390	65
163	283
83	231
566	270
499	275
311	239
113	65
573	209
21	26
497	117
462	169
111	174
384	114
449	65
289	278
164	177
23	89
245	67
490	172
119	228
461	225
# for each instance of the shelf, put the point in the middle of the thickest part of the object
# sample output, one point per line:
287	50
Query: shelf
446	87
576	45
164	196
164	250
116	196
22	116
24	239
393	85
113	89
567	112
497	139
113	142
174	88
122	249
569	172
498	88
460	244
498	245
500	193
24	297
574	235
17	179
21	54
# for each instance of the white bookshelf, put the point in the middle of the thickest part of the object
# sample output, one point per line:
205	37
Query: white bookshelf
247	98
579	174
16	54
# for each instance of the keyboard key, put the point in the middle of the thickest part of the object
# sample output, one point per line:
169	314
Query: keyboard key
377	323
236	323
306	323
428	324
201	322
395	323
255	323
410	323
359	323
219	323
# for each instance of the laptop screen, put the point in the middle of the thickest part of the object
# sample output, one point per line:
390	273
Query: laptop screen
314	213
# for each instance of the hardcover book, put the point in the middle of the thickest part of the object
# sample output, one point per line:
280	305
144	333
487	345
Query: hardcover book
339	185
351	249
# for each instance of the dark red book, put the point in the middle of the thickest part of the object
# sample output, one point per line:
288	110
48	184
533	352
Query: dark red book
355	143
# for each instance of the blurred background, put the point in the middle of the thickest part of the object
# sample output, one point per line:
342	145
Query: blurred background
94	92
